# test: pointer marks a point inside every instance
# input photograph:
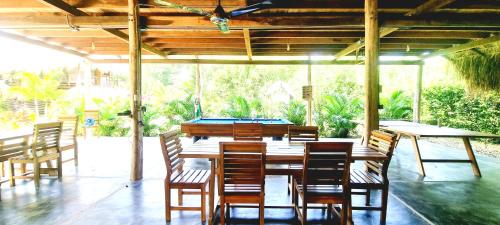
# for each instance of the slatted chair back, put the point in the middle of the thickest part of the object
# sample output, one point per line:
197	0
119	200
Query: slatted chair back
242	163
327	163
302	133
46	137
14	146
247	131
171	147
69	128
384	143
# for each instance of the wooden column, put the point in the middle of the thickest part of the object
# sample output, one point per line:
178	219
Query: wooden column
418	94
371	67
197	84
135	89
309	100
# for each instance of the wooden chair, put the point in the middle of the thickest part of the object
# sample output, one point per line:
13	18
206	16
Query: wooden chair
44	149
300	133
325	178
180	179
374	176
241	175
68	136
247	131
11	147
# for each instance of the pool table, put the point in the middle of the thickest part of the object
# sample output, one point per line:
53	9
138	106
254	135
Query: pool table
223	127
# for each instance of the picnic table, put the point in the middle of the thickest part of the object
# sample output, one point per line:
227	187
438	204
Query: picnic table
278	152
416	131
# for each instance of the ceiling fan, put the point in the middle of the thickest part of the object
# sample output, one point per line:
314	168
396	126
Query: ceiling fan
219	17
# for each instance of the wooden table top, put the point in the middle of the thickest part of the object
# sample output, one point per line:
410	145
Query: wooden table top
276	150
425	130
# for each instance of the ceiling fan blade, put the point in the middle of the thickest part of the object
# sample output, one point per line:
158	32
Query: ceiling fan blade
177	6
251	8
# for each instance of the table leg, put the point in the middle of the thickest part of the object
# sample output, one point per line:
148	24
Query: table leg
398	136
472	157
211	191
418	157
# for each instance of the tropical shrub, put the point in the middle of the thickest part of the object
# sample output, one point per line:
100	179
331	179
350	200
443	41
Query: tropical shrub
238	108
295	112
453	107
334	115
396	106
180	110
109	123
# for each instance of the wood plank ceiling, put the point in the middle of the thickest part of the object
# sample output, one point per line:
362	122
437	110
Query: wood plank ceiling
290	27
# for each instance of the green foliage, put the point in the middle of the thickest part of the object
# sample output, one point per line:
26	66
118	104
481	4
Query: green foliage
335	113
154	122
453	107
295	112
109	123
180	110
396	106
238	108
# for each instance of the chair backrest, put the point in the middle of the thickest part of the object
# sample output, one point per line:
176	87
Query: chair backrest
384	143
13	146
302	133
46	137
242	163
171	147
247	131
327	163
69	127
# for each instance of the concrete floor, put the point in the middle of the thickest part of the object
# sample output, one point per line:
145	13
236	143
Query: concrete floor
98	192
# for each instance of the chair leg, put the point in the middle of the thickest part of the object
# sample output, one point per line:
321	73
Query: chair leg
203	204
59	167
343	216
12	174
261	212
329	211
2	170
23	168
304	212
367	197
383	212
36	174
228	211
167	201
222	213
349	213
76	154
179	196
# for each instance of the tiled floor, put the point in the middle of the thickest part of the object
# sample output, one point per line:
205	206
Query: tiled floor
99	192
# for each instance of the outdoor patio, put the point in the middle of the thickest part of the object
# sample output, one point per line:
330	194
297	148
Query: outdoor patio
99	191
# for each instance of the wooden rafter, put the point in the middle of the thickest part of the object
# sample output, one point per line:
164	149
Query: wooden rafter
115	32
257	62
248	44
428	6
42	44
466	46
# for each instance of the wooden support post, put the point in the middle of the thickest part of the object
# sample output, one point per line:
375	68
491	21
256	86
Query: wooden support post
309	100
135	89
371	67
197	89
417	95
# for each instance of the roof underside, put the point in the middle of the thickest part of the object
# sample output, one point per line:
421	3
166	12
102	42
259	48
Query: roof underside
292	27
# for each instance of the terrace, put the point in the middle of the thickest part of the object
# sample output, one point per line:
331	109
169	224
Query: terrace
428	185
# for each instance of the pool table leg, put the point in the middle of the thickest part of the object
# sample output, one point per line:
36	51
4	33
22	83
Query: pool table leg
278	138
196	138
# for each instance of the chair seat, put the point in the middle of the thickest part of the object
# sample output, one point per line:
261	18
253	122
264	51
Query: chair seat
190	178
362	178
242	189
44	156
321	190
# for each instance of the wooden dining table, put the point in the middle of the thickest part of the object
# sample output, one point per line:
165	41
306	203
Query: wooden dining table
278	152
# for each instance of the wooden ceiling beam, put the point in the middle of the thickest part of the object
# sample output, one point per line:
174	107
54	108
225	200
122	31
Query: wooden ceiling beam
428	6
463	47
115	32
256	62
248	45
43	44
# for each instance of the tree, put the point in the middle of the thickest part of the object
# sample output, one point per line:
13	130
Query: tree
37	88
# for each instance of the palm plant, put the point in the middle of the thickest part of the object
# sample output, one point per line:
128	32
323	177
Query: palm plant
295	112
334	115
180	110
397	106
238	108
